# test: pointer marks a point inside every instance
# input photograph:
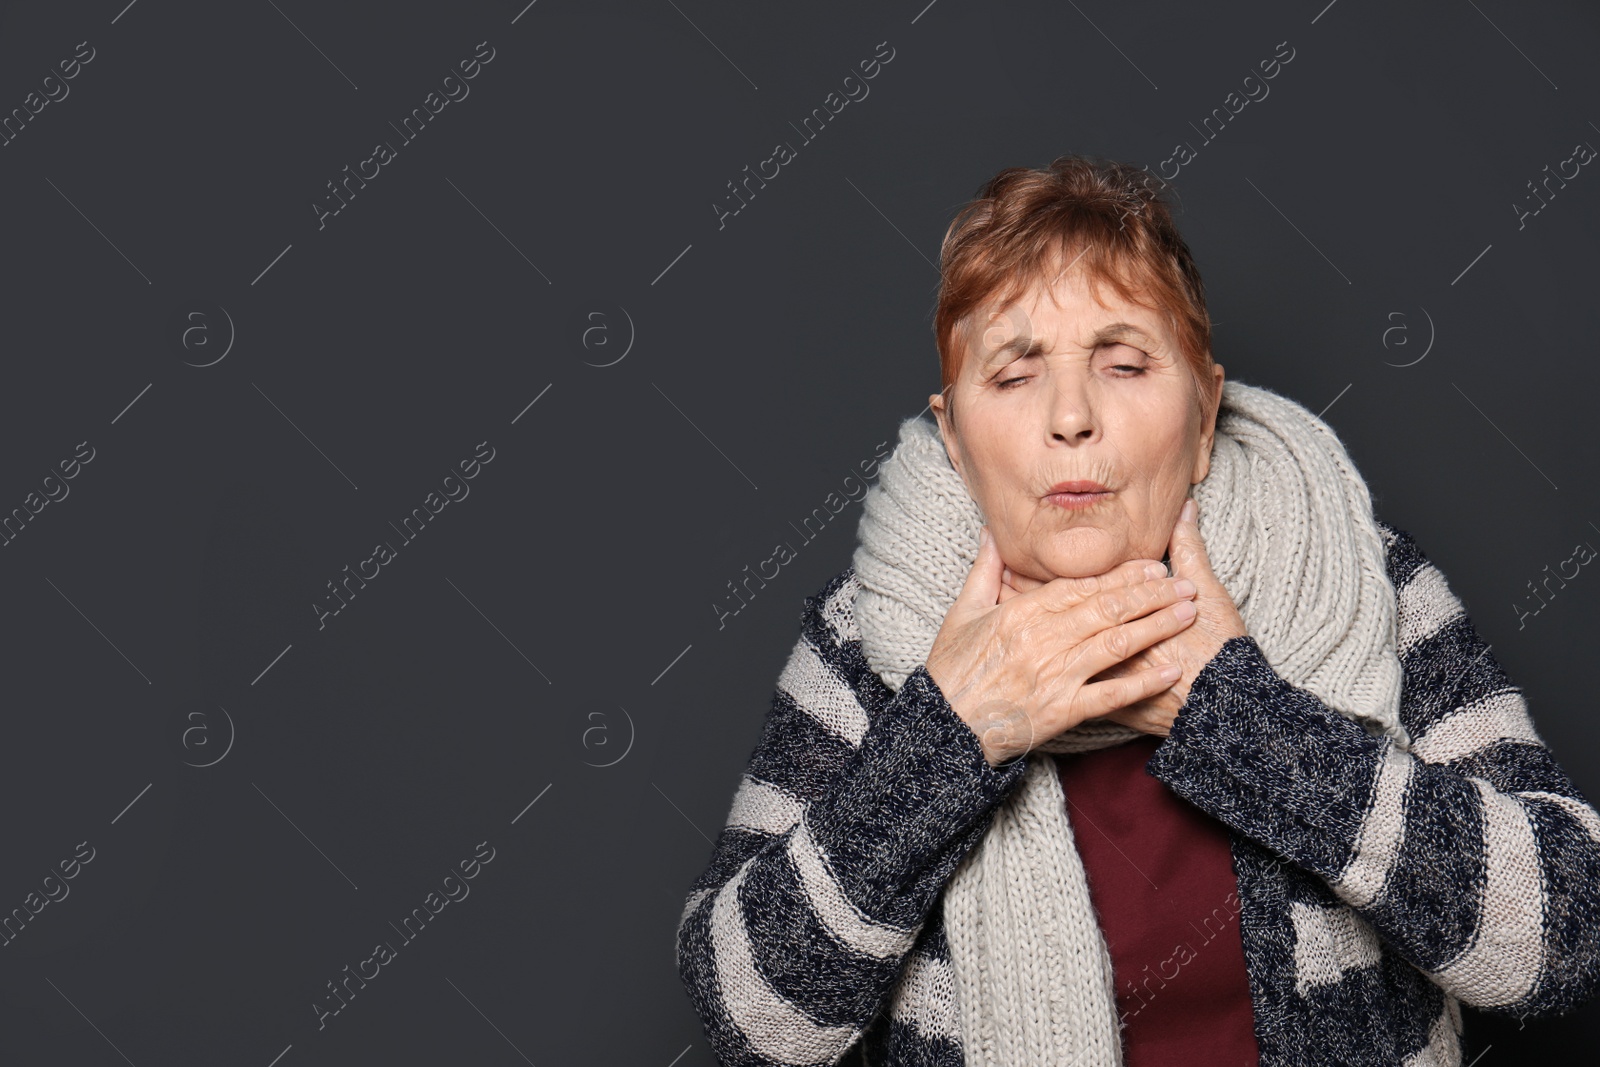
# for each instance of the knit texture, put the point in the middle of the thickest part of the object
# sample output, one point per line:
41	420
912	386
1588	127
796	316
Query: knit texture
1379	887
1289	530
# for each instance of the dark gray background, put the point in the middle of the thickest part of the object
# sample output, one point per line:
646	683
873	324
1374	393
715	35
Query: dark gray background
561	616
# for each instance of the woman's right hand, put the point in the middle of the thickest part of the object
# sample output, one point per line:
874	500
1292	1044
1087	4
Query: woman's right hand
1018	672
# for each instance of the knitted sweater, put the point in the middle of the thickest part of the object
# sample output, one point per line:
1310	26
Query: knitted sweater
1379	887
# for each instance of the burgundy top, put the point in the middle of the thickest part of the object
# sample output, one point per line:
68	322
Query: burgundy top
1161	878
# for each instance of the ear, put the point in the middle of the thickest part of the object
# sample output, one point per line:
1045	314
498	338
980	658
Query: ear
1208	432
941	413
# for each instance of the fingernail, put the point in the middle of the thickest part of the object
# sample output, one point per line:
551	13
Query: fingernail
1185	610
1155	570
1191	510
1183	587
983	535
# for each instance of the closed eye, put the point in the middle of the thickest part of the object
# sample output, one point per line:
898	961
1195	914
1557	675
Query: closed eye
1131	372
1123	370
1134	369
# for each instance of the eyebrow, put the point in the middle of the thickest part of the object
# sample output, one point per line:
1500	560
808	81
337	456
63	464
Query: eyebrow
1023	347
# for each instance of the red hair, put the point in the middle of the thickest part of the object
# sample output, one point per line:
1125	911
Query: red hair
1109	217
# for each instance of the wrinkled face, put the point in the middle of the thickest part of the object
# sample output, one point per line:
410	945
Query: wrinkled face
1072	390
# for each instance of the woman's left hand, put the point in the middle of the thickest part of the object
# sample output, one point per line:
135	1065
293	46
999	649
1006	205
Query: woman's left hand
1190	648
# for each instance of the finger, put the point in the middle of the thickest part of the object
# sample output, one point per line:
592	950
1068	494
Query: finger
1188	548
1115	605
1102	698
1060	594
1023	583
1020	583
1128	624
982	587
1133	715
1127	716
1152	715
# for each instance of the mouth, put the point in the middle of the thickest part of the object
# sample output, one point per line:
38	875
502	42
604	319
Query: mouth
1076	494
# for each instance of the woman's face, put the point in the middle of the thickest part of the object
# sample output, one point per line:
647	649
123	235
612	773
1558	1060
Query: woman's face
1067	390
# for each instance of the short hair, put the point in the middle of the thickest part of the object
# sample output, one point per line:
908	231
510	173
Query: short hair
1111	215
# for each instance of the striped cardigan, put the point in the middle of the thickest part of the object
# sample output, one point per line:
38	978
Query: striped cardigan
1379	888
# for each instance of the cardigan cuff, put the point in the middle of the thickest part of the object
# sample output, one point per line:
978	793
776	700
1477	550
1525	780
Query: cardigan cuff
1271	760
915	797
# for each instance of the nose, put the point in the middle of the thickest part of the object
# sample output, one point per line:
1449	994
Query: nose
1071	416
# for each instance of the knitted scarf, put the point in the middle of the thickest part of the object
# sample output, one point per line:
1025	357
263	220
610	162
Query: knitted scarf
1288	526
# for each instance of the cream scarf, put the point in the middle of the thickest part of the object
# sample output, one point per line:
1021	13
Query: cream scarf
1288	525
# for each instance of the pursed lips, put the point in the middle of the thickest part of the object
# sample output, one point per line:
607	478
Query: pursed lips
1079	493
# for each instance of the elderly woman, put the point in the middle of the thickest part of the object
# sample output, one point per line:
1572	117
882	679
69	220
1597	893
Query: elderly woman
1131	735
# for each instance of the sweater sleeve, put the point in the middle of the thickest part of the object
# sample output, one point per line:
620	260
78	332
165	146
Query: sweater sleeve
843	831
1472	853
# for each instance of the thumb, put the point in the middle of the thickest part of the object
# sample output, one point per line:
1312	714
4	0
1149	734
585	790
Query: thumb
982	587
1188	548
